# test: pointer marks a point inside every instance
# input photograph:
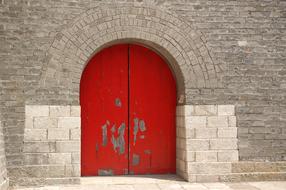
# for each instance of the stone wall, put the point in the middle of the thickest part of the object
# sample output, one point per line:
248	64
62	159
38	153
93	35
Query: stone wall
244	41
207	147
51	151
208	134
3	171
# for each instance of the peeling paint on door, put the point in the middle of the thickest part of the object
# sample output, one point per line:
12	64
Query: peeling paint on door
121	141
142	125
118	142
104	135
118	102
135	130
105	172
135	159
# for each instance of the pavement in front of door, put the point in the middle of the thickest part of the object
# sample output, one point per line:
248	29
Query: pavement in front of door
157	182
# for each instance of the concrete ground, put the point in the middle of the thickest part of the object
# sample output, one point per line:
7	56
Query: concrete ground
157	182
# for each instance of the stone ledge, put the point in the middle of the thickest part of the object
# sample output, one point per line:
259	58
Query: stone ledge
45	171
250	167
28	181
240	177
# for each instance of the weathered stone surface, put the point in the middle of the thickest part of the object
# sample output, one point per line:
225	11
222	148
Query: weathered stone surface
232	121
228	156
60	158
39	147
243	167
69	122
230	132
75	111
205	110
223	144
36	159
206	156
35	134
75	158
34	111
67	146
197	145
226	110
205	133
60	111
75	134
209	168
45	122
196	121
185	110
217	121
58	134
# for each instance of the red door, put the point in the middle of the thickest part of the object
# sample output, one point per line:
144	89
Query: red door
128	102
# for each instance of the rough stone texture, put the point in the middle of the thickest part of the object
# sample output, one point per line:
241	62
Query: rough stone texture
237	49
3	172
213	145
51	149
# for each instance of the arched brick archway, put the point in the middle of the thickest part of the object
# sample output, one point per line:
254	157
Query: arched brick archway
182	46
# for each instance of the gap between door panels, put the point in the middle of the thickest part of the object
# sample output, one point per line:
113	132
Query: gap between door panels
128	100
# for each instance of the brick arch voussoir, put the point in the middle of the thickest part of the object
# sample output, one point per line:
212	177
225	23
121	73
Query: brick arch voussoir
74	46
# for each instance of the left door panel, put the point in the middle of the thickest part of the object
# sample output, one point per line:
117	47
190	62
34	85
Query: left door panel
104	106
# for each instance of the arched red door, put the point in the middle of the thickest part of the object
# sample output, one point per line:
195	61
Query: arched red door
128	103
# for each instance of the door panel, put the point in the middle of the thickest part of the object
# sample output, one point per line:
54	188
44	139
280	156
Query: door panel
104	105
128	103
152	113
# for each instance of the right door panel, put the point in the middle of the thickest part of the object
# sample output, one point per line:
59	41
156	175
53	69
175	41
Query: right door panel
152	106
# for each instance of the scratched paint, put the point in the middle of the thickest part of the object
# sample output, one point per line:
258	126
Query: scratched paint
119	142
113	139
114	143
135	159
105	172
135	130
142	125
118	102
113	129
104	134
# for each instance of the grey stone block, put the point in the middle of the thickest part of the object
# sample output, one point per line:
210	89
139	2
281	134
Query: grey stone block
45	122
69	122
68	146
60	111
223	144
209	168
60	158
58	134
35	135
34	110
